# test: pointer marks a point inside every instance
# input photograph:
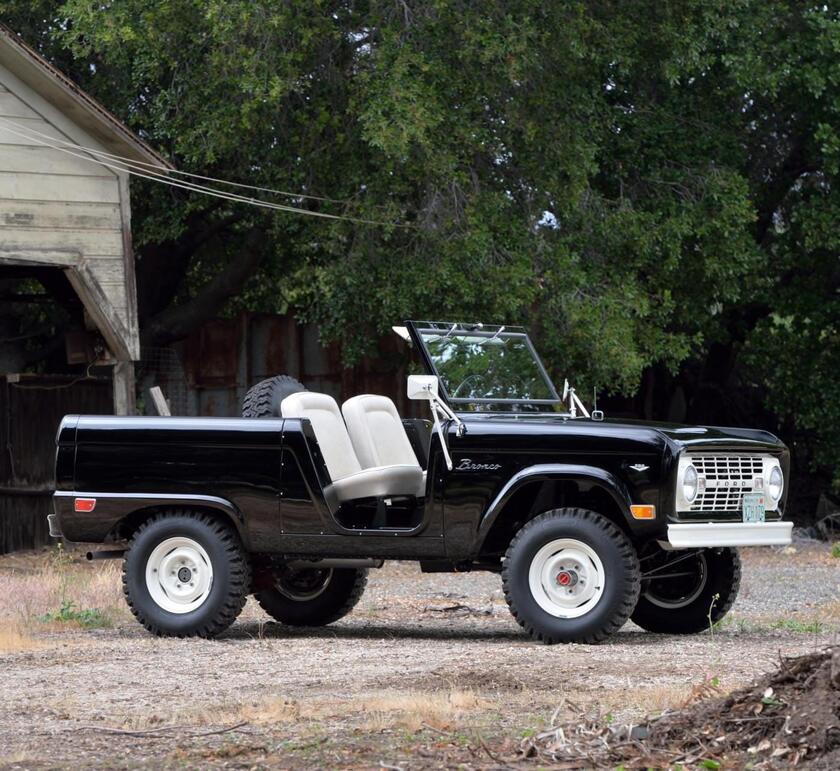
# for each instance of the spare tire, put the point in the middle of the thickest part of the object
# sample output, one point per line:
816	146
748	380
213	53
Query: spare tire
263	399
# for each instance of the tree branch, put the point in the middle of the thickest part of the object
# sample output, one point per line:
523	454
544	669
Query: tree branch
178	321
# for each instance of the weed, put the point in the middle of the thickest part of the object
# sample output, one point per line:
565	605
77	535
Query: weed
715	598
62	560
835	550
87	618
803	627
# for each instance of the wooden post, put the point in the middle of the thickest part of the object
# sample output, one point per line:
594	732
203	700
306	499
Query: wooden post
159	403
124	402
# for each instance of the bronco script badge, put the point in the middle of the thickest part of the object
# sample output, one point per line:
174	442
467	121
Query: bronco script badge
466	464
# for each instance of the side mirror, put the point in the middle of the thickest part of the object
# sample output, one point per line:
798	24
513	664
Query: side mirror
422	387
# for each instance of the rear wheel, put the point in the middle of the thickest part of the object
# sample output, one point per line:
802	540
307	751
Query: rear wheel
571	575
312	596
686	591
263	400
185	574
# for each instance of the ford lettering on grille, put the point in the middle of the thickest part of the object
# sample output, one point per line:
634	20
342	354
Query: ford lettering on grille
726	478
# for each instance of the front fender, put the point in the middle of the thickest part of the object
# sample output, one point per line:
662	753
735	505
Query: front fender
555	471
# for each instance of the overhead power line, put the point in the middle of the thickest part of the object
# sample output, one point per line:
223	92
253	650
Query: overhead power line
161	174
167	170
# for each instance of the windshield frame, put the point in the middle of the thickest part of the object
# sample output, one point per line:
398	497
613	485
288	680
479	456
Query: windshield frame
418	328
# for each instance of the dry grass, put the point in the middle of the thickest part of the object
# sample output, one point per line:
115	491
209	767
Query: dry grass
658	698
829	614
655	698
413	710
15	638
410	710
628	703
37	584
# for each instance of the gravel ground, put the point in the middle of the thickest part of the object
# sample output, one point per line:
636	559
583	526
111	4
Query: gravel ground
429	671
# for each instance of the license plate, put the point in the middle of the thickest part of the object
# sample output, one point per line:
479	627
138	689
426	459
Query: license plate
752	509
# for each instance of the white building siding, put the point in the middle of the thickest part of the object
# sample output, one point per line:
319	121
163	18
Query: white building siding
51	201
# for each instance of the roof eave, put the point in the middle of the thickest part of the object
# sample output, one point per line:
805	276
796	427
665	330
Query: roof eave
62	92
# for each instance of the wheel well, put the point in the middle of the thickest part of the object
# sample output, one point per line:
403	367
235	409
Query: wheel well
128	525
537	497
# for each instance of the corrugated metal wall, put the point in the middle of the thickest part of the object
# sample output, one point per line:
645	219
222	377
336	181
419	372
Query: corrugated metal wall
228	356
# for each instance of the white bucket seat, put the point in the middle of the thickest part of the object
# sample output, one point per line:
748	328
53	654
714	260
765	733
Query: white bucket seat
349	479
378	434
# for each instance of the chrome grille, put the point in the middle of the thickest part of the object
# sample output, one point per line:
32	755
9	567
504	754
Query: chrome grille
727	478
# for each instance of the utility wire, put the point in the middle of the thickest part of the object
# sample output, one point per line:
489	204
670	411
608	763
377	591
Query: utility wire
128	166
166	169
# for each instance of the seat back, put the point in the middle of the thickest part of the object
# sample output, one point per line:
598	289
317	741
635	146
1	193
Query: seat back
377	432
322	411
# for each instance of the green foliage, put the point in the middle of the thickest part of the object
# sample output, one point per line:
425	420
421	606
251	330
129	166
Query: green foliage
641	184
69	611
87	618
799	627
835	550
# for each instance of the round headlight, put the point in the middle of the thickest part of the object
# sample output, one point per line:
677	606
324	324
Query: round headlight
776	483
689	483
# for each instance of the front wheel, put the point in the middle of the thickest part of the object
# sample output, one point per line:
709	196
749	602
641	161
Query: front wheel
570	575
312	596
686	591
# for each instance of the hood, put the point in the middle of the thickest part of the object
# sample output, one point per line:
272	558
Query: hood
675	434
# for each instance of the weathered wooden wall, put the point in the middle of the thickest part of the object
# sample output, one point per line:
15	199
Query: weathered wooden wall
53	202
30	411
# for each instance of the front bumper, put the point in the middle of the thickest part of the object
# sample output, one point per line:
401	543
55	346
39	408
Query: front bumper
699	535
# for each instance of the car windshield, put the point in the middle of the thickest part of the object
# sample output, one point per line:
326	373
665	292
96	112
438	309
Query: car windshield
486	364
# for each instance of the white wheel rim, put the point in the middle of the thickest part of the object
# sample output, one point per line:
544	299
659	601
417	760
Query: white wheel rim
566	578
179	575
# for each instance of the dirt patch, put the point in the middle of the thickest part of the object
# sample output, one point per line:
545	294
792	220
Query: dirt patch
429	671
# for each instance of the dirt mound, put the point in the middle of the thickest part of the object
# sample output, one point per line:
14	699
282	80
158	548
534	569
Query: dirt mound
790	717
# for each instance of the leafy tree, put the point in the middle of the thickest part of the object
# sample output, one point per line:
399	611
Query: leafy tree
650	186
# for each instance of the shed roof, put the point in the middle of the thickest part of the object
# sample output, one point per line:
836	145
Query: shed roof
54	86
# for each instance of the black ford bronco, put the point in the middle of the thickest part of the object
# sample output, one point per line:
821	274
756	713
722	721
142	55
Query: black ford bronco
589	521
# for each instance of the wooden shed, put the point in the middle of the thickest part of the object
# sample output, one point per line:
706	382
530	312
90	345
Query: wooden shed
63	212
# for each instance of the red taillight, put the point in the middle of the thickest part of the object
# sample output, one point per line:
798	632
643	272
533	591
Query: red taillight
84	505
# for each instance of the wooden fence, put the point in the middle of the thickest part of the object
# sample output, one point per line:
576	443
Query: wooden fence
31	407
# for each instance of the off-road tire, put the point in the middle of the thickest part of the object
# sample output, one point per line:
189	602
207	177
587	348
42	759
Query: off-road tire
231	574
338	598
263	399
723	579
621	579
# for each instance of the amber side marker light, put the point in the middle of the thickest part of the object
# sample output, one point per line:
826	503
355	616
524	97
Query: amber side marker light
84	505
643	512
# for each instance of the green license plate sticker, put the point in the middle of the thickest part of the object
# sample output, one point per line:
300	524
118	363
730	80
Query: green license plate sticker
753	507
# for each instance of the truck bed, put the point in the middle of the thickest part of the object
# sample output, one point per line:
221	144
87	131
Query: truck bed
164	460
